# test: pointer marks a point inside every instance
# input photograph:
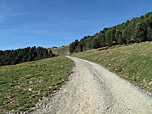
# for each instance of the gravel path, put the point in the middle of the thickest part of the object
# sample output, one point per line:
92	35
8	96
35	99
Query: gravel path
94	90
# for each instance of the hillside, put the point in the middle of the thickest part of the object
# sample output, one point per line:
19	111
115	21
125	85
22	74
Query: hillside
23	85
136	30
132	62
64	50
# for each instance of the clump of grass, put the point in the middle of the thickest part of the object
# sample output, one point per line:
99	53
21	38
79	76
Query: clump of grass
22	85
132	62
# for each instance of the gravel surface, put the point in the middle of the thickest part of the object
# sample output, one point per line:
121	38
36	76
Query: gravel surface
94	90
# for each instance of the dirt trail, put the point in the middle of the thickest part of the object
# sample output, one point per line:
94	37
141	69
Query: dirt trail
94	90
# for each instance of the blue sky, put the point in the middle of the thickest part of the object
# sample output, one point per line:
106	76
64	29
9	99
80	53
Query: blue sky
49	23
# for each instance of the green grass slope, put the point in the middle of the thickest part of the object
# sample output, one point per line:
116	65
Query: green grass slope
132	62
22	85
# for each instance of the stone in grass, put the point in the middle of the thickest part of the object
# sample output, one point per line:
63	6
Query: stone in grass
30	82
30	89
150	83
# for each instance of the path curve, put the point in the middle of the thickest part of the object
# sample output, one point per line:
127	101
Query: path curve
94	90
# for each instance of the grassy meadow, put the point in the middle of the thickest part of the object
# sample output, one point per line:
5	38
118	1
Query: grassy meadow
132	62
22	85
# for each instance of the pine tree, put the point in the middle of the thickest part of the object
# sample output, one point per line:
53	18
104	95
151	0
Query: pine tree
140	32
149	34
108	38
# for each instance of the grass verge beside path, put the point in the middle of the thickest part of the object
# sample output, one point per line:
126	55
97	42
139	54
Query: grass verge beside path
132	62
22	85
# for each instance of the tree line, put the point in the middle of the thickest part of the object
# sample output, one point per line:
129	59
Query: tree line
137	30
12	57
